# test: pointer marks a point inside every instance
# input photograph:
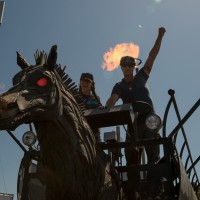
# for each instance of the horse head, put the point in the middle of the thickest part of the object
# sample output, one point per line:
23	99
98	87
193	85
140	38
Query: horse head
36	93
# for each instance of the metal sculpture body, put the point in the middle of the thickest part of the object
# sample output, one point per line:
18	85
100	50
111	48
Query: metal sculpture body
71	165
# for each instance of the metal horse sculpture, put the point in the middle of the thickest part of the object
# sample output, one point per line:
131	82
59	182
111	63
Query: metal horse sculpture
72	166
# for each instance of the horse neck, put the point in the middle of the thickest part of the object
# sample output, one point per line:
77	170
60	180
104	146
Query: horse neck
67	135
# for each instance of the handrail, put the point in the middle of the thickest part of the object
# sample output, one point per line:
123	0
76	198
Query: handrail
170	92
174	133
194	163
184	119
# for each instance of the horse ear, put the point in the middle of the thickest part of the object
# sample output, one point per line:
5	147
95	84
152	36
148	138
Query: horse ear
21	61
52	57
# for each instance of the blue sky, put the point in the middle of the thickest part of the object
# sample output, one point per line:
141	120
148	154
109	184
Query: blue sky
84	31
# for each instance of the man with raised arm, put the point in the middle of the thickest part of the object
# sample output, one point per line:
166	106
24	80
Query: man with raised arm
133	88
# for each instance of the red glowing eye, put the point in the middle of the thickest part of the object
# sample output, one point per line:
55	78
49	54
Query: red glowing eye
42	82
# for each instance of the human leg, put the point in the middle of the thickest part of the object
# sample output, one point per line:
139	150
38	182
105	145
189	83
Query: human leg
132	158
153	156
153	151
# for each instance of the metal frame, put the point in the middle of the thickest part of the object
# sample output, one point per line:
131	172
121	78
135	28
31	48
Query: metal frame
194	180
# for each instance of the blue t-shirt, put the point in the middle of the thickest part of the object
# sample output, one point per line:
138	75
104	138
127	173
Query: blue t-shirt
90	101
135	90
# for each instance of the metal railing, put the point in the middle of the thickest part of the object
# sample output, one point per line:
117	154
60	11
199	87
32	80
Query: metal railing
194	180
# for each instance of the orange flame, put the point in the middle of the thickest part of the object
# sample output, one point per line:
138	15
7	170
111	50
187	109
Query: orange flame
113	56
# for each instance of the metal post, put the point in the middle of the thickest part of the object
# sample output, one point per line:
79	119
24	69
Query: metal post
118	133
2	6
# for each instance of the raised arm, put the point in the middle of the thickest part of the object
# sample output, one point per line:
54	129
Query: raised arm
154	51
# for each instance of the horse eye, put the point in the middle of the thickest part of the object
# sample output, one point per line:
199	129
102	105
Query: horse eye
42	82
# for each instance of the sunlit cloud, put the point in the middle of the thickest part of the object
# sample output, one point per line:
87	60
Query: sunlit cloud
112	57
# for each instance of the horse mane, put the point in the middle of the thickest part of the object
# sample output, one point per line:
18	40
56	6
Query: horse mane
68	86
41	59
